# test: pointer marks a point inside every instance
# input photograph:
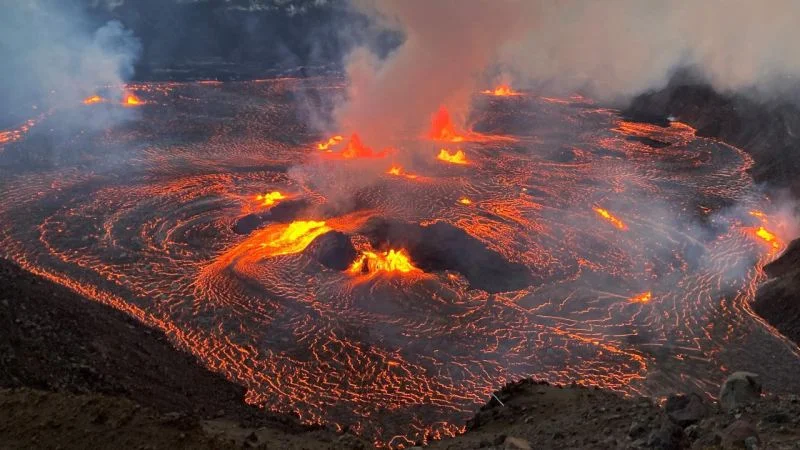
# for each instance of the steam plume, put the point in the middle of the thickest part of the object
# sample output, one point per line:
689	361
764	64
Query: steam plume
54	56
611	50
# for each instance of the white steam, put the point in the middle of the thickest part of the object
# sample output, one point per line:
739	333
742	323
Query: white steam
611	50
56	57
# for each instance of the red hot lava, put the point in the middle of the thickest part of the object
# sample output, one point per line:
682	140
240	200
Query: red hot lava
442	128
355	149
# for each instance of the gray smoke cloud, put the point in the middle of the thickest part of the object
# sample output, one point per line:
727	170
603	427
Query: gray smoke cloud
611	50
54	56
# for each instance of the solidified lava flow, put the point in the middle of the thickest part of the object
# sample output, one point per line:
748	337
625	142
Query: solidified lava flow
582	248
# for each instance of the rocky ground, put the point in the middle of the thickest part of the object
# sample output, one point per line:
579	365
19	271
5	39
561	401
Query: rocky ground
77	374
765	128
538	416
778	299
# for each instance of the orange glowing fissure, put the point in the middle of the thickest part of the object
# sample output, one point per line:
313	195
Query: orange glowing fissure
609	217
768	236
389	261
644	297
453	158
128	99
271	198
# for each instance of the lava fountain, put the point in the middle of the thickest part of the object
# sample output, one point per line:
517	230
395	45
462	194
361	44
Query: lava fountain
270	198
502	91
442	129
458	157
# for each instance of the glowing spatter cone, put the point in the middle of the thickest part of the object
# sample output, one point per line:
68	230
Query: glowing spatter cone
389	261
129	99
459	157
270	198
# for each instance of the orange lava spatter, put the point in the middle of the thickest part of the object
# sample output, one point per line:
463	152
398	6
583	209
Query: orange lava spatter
270	198
93	99
331	142
388	261
355	149
442	129
768	236
129	99
459	157
502	91
399	172
644	297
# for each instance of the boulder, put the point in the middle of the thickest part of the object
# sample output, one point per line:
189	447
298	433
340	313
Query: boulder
685	410
740	389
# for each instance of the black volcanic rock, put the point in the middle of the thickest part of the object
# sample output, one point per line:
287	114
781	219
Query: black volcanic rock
778	300
442	246
768	131
285	211
787	263
334	250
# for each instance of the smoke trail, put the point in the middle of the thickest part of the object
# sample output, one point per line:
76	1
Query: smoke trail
54	56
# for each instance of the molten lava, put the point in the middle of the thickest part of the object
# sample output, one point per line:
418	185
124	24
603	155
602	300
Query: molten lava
502	91
131	100
294	237
399	172
356	149
390	261
613	220
93	99
442	128
465	201
271	198
644	297
768	237
453	158
326	146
